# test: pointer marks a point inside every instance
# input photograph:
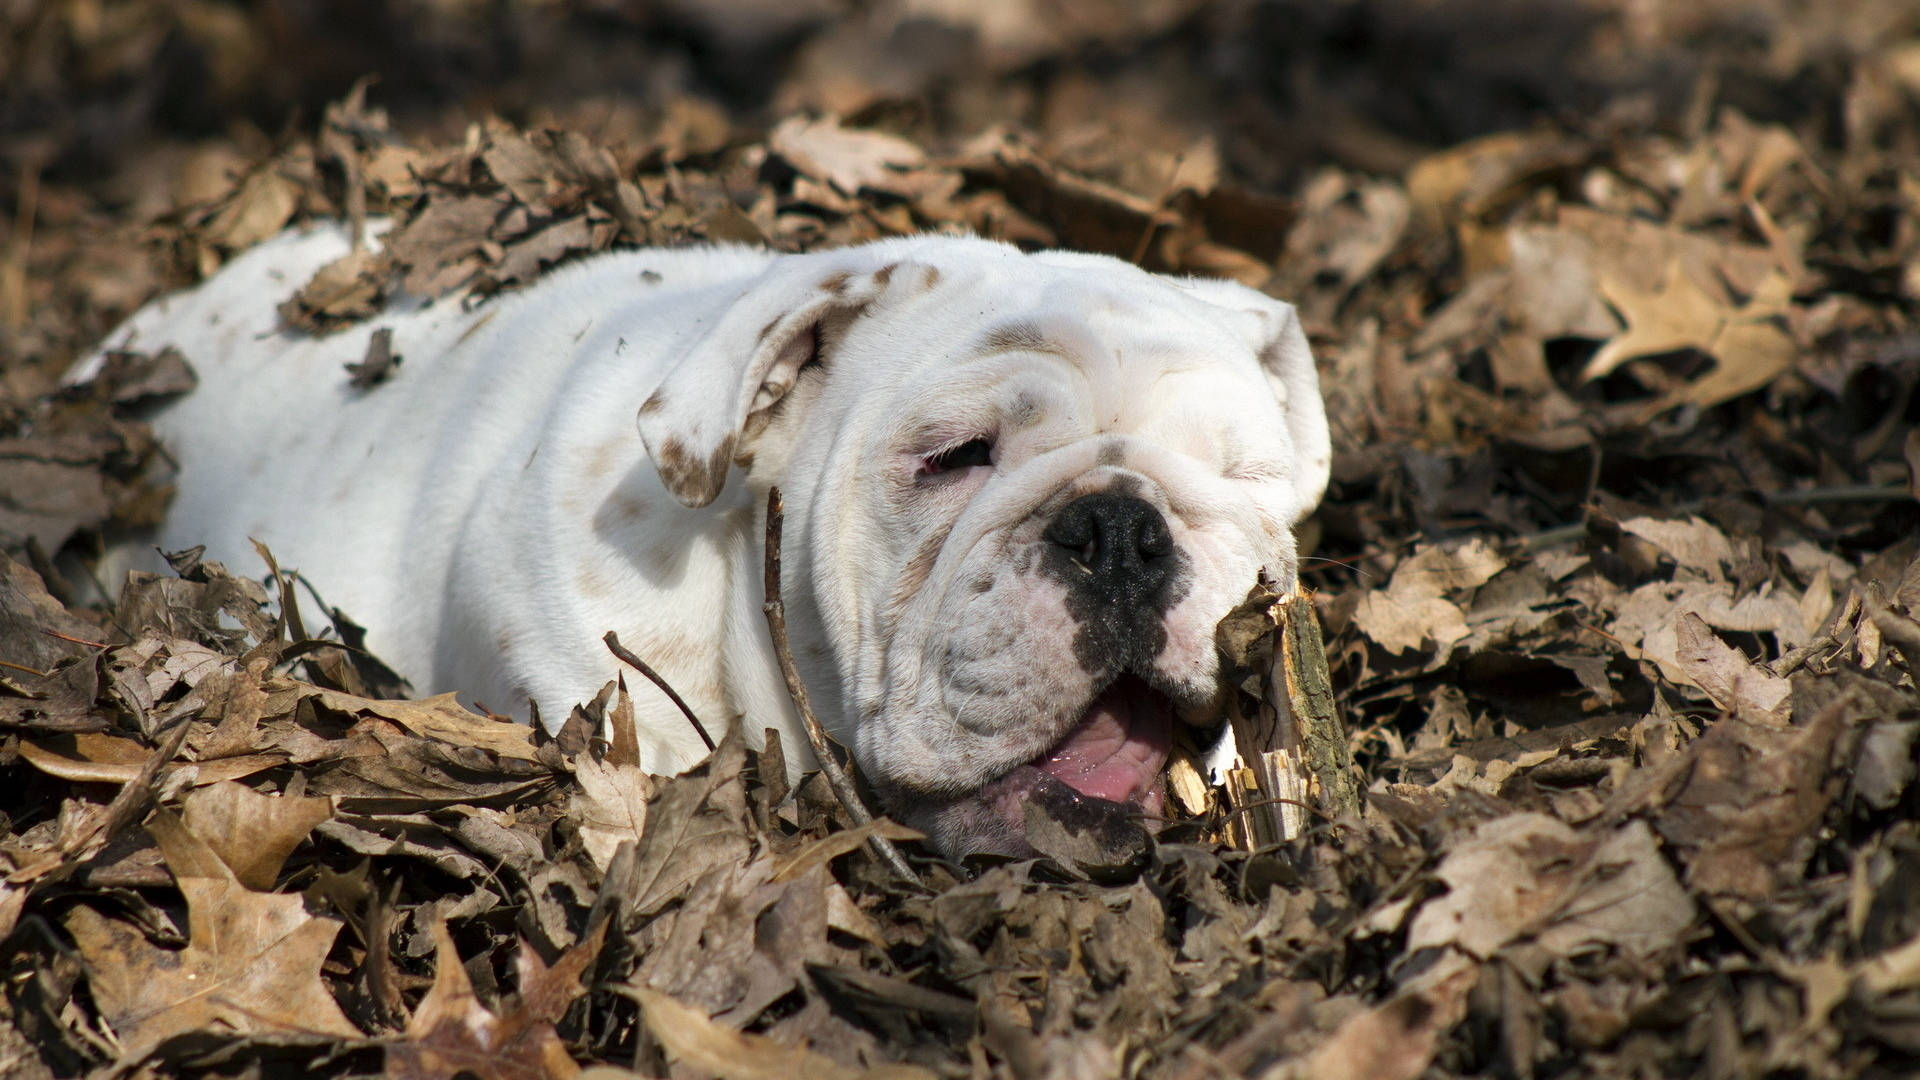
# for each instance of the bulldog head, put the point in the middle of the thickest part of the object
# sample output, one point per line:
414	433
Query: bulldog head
1023	490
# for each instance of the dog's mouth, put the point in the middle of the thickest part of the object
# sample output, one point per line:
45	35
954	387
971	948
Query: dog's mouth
1118	750
1104	778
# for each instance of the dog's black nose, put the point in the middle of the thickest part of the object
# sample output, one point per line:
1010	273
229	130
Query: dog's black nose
1119	543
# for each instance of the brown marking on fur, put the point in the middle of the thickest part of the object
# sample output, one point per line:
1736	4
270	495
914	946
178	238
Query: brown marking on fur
475	328
691	480
1112	453
630	507
929	277
767	330
1020	337
836	283
884	274
654	403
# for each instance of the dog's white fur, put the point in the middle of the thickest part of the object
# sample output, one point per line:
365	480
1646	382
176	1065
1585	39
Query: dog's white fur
489	512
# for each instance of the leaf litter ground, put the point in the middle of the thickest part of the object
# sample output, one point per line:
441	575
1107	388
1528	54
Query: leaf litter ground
1619	571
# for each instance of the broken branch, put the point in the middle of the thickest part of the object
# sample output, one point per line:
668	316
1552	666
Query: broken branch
837	778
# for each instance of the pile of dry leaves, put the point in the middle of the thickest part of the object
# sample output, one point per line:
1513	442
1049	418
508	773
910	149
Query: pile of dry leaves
1619	573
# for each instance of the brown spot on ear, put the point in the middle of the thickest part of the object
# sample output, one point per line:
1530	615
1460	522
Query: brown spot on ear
929	278
654	403
1020	337
885	274
767	330
836	283
692	481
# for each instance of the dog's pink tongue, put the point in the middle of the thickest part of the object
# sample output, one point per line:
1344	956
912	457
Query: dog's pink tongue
1121	744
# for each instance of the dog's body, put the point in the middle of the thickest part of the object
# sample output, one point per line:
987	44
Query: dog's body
1022	491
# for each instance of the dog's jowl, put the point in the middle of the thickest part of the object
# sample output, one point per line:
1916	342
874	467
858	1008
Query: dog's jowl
1022	491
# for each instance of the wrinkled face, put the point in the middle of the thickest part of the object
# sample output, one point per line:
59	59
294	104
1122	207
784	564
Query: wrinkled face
1024	529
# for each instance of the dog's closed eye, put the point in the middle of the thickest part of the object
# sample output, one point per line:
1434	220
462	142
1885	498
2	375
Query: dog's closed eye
966	455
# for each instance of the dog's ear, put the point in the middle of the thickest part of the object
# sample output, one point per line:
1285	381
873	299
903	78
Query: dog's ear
1281	347
720	388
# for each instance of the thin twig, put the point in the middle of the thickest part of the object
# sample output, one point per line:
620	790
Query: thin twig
75	640
837	778
626	656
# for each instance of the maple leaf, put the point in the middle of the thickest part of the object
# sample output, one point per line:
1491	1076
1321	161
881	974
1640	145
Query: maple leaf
251	967
1748	350
453	1033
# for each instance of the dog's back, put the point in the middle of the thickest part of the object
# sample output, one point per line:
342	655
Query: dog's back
277	445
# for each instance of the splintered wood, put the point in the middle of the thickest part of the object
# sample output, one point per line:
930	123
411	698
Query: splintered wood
1291	761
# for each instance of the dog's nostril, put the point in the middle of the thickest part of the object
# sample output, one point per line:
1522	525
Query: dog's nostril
1108	534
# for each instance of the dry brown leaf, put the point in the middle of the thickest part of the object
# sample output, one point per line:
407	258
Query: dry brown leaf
1532	877
697	1042
610	807
251	967
1395	1040
452	1033
377	365
1677	315
1729	678
252	833
1753	796
352	287
1415	609
99	758
849	159
265	203
1691	542
439	717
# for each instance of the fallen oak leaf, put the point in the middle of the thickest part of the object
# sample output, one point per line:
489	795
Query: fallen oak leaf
452	1033
1748	350
610	806
252	833
95	757
1676	315
251	967
439	717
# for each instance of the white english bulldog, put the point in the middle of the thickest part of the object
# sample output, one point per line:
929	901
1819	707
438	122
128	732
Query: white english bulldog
1023	489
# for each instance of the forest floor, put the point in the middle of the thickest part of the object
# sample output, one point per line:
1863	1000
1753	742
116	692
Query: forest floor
1619	571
